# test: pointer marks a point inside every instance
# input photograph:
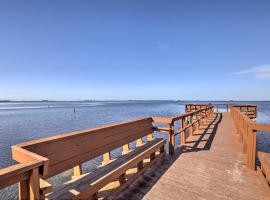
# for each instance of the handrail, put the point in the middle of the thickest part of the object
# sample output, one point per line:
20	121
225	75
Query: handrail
18	172
247	129
33	167
28	172
178	117
262	127
250	109
190	122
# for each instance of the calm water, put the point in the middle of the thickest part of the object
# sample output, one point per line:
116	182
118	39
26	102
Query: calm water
22	121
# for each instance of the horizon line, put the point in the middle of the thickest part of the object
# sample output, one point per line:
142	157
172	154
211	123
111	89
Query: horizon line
92	100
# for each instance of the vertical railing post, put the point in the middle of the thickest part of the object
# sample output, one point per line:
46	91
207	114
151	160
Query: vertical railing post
183	134
201	118
251	148
196	122
29	189
171	138
34	185
245	137
24	190
190	125
254	149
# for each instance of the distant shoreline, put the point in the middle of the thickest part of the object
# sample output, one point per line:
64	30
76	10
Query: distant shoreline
89	101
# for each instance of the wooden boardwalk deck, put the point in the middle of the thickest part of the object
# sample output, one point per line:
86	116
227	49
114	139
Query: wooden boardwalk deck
210	166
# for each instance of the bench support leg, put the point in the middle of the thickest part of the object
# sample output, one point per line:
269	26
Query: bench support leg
140	166
126	149
161	150
150	137
122	179
152	156
106	158
77	171
94	197
139	142
136	175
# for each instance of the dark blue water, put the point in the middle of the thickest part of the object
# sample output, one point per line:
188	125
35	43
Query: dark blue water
23	121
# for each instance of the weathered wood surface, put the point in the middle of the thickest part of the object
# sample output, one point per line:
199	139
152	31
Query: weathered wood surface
209	166
88	184
250	110
78	147
265	164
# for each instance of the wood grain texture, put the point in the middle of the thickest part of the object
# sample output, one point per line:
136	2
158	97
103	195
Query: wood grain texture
265	164
88	184
209	166
81	146
17	173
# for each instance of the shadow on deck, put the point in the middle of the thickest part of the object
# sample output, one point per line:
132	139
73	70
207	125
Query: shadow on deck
201	140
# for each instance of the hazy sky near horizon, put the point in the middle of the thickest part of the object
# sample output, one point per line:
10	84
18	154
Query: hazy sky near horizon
73	50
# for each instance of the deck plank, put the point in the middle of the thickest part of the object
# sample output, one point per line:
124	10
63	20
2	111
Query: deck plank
210	166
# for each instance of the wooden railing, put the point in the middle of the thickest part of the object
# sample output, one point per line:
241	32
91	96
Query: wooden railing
264	169
41	159
25	174
250	110
189	123
194	107
247	130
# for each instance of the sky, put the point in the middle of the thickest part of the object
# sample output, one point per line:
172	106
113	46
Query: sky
120	50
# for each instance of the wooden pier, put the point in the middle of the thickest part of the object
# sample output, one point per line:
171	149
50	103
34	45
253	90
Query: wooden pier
215	160
210	165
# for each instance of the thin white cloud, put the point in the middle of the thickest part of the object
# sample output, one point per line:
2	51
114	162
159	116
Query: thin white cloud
163	46
258	72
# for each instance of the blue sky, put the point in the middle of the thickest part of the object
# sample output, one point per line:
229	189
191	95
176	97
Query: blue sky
72	50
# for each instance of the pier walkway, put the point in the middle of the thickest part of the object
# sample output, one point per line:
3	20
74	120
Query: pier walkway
215	160
209	166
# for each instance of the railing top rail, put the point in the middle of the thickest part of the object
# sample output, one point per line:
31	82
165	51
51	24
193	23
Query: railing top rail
164	120
262	127
177	117
18	172
243	115
243	105
225	104
255	126
170	120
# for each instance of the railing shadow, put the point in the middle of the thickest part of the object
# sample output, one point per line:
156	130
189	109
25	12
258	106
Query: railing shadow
200	141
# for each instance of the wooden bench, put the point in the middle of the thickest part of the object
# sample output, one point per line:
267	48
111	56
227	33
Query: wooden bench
70	150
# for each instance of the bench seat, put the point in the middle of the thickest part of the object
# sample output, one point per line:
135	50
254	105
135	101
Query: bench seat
85	186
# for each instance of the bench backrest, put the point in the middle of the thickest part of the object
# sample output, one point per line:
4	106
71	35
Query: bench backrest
68	150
